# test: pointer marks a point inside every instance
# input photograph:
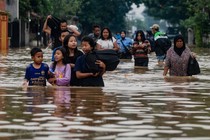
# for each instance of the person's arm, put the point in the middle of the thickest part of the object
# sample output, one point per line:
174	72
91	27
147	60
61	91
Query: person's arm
64	81
116	47
27	76
99	47
25	82
165	70
45	26
101	65
81	75
74	29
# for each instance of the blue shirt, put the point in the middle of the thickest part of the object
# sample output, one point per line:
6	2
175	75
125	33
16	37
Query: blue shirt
37	76
127	43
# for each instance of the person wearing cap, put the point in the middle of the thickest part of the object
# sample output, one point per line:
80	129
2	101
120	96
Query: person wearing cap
159	38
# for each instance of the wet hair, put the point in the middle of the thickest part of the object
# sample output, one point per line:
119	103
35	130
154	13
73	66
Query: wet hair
110	33
64	60
75	18
34	51
95	26
65	45
62	31
142	36
63	21
90	41
123	31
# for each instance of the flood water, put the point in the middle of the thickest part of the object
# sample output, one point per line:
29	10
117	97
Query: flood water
135	104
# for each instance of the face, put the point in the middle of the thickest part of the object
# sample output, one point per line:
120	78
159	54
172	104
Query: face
122	34
139	36
105	33
38	58
58	56
179	43
72	44
63	26
86	48
63	35
153	31
97	31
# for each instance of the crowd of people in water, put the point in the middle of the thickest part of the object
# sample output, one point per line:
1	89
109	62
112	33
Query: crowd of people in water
69	63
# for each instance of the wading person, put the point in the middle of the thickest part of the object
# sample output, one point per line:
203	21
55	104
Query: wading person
96	30
177	58
125	44
86	75
37	72
162	44
60	71
107	41
140	50
72	51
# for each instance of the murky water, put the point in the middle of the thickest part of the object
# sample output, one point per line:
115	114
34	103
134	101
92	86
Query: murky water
134	104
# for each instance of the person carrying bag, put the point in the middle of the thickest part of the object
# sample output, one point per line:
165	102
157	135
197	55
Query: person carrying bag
125	44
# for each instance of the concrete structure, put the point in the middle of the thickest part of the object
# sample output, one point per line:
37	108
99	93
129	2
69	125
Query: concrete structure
18	29
3	26
12	6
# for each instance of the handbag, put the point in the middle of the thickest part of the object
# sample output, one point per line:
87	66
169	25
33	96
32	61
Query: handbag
193	66
127	54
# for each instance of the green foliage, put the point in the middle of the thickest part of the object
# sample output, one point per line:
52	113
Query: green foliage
199	19
105	13
188	13
172	11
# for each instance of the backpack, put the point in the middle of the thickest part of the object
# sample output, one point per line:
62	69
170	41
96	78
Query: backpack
109	57
163	42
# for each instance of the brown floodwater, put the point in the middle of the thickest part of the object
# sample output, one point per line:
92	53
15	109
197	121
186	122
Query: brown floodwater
135	103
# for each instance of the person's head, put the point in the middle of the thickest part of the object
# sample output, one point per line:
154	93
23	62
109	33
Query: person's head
63	34
75	20
88	44
60	55
63	24
155	28
70	42
140	36
106	33
37	55
123	34
179	41
96	30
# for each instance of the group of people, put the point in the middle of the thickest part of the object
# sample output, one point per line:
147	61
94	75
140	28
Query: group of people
69	63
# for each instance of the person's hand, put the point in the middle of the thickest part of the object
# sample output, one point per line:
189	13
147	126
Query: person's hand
72	65
95	74
193	55
52	81
25	83
100	63
49	17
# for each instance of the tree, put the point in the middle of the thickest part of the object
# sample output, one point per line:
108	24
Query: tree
188	13
199	19
172	11
105	13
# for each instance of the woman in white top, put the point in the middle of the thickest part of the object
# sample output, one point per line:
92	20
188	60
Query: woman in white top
106	41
